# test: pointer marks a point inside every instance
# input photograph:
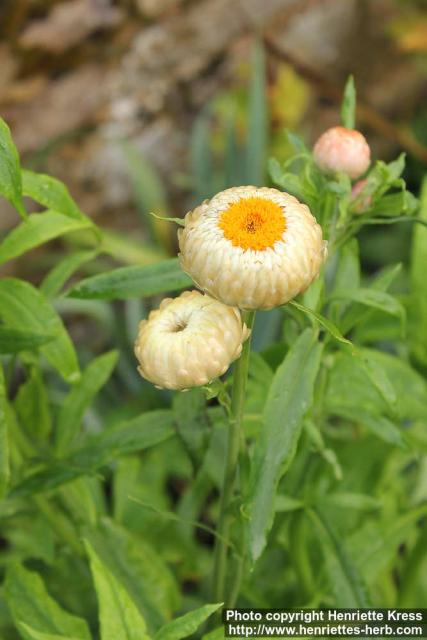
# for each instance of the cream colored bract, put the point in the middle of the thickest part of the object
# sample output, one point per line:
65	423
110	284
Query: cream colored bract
189	341
222	265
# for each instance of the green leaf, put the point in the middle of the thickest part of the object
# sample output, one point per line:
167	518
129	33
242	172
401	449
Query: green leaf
187	624
316	439
52	194
288	401
349	388
80	397
358	314
138	567
374	547
32	406
256	151
4	437
15	340
58	276
133	282
348	108
394	205
287	181
378	377
37	229
418	298
215	634
30	603
192	422
137	434
373	298
296	141
126	249
324	322
24	308
348	588
348	271
356	501
119	616
40	635
150	193
10	170
378	424
179	221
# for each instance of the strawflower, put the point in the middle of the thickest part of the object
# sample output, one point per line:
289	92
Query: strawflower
189	341
250	247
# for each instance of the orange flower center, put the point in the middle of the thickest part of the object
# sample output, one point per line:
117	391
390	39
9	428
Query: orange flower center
253	223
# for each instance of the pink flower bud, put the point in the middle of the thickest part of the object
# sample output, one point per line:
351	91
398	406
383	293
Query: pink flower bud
342	150
360	204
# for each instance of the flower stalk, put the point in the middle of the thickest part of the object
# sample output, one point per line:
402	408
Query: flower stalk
240	377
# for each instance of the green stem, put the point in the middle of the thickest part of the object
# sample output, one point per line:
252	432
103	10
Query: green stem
240	376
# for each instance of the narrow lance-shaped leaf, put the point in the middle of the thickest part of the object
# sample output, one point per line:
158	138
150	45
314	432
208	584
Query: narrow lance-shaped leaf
373	298
258	119
15	340
418	300
346	583
179	221
348	109
201	158
378	424
24	308
347	500
324	322
37	229
193	426
10	170
58	276
51	193
286	180
133	282
119	616
137	434
32	406
81	395
356	315
139	568
150	194
289	399
379	378
41	635
187	624
30	603
4	437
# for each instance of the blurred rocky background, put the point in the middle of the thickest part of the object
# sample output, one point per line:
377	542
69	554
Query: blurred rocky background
120	99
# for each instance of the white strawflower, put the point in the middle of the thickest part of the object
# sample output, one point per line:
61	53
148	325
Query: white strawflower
189	341
342	150
250	247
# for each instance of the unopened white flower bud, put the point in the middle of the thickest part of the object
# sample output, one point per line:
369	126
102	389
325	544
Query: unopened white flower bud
189	341
341	150
253	248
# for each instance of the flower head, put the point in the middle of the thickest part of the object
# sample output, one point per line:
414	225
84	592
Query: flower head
342	150
189	341
250	247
